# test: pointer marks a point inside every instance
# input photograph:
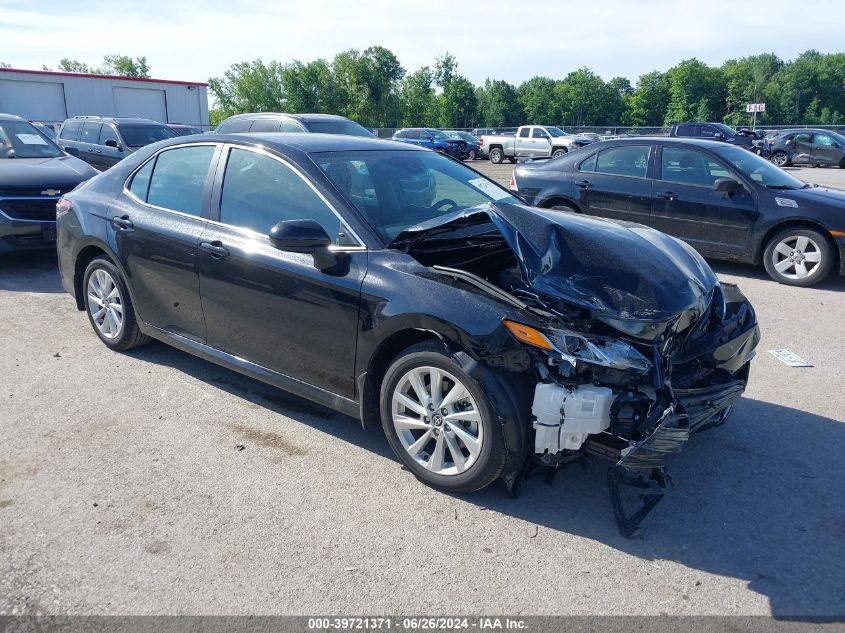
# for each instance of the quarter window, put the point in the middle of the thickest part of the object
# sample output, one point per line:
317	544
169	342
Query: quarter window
140	184
70	131
179	177
589	164
627	160
260	191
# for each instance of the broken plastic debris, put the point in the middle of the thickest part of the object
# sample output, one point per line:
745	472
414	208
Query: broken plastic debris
788	358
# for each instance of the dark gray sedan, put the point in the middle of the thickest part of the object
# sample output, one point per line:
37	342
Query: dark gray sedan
824	148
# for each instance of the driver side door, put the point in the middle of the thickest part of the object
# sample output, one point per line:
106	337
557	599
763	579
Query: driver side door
272	307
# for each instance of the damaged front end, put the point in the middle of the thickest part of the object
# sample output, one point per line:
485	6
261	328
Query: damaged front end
633	343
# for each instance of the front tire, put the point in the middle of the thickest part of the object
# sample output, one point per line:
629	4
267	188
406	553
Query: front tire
440	422
560	151
497	156
798	257
109	306
472	155
781	159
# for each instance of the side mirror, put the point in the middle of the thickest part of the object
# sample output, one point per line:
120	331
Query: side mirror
71	150
304	236
726	185
113	143
719	135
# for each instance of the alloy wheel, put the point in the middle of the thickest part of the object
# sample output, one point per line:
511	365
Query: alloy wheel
796	257
105	304
437	420
780	159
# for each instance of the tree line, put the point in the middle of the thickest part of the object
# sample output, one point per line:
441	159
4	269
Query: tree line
371	87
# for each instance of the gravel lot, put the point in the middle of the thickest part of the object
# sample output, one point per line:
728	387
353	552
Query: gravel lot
154	482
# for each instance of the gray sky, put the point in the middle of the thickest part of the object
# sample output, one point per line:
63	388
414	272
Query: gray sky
504	39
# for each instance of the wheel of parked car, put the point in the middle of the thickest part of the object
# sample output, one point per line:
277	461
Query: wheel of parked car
781	159
798	257
440	421
472	155
496	155
559	152
109	306
565	206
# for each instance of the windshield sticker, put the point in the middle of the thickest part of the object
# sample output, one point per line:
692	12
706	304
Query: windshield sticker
786	202
489	189
31	139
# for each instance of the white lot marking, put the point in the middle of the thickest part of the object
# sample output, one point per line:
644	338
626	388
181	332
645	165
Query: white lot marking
181	392
788	358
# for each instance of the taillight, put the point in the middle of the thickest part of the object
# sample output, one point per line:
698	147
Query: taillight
513	186
62	207
481	142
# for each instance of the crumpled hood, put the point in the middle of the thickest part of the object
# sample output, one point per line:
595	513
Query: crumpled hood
616	270
64	172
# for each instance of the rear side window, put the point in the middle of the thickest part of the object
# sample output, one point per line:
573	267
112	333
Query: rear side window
628	160
260	191
524	132
234	126
70	131
290	126
685	130
801	138
90	132
263	125
178	179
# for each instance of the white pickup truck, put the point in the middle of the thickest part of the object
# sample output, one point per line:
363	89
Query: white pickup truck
531	141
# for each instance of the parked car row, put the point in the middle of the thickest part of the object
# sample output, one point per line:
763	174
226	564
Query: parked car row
531	141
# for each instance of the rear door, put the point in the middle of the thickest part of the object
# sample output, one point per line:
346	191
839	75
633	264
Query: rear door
613	183
156	229
686	205
273	307
522	142
801	148
89	150
68	137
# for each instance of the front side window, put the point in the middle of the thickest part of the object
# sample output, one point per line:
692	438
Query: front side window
708	131
140	135
108	134
539	133
823	139
260	191
178	179
690	167
628	160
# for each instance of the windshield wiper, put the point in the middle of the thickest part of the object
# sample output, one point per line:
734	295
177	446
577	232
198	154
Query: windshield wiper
780	187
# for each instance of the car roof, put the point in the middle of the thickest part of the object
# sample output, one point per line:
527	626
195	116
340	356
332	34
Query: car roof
10	117
662	140
807	129
114	119
304	116
307	142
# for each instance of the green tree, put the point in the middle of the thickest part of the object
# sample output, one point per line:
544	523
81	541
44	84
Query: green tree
696	91
249	87
458	103
5	65
419	103
582	96
537	97
647	104
498	104
368	85
74	66
126	66
309	87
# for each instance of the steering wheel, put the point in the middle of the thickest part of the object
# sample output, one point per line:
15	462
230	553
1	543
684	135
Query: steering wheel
446	201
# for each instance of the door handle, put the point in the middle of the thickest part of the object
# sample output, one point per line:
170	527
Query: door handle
122	222
584	184
216	248
668	195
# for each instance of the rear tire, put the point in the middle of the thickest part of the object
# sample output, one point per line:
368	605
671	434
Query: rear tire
109	306
798	257
497	156
460	451
565	207
781	159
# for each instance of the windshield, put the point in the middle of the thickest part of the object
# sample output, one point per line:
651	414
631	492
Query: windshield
19	139
349	128
140	135
395	190
556	131
759	169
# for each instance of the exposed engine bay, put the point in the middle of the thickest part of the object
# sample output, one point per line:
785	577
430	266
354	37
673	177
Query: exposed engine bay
632	342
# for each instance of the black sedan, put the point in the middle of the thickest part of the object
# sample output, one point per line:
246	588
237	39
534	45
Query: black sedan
34	172
397	285
723	200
